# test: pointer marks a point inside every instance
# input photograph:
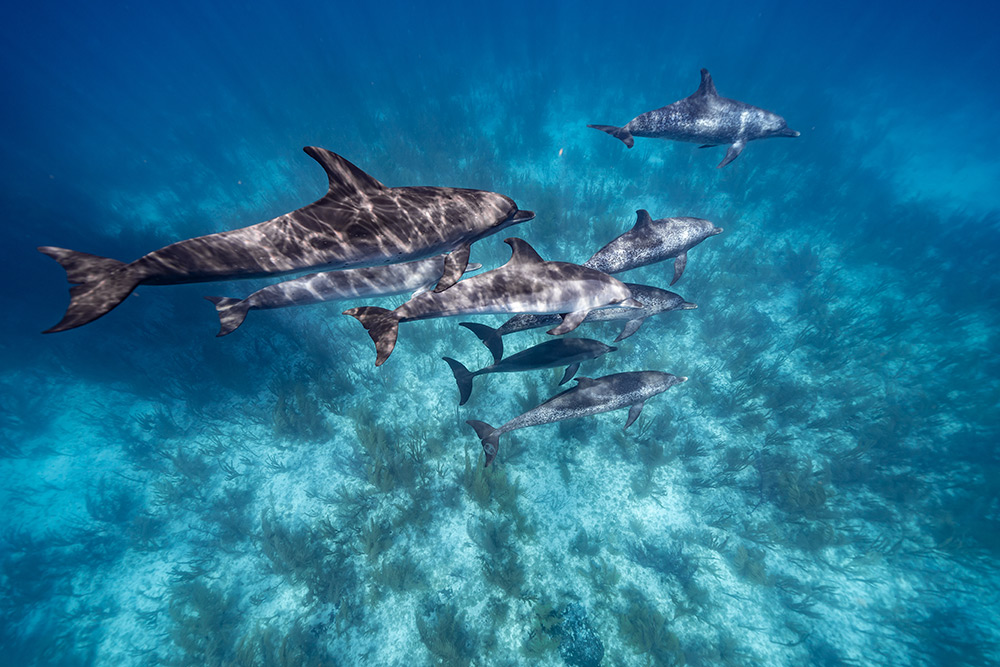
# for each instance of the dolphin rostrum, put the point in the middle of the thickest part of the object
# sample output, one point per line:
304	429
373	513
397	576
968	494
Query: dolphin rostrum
525	284
705	118
569	352
359	222
653	299
650	241
418	275
588	397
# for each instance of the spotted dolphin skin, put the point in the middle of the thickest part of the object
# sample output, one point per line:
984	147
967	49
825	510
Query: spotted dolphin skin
588	397
653	299
358	223
650	241
525	284
568	352
705	118
419	275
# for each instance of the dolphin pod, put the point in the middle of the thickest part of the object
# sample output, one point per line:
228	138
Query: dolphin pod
568	352
705	118
525	284
589	397
359	222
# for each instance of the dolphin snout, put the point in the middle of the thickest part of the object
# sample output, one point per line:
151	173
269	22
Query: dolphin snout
522	216
788	132
717	230
689	306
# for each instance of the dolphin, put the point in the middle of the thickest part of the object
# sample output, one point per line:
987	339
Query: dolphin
653	299
650	241
588	397
525	284
705	118
359	222
418	275
569	352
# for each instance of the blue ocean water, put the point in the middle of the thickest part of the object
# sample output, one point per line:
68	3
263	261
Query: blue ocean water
823	490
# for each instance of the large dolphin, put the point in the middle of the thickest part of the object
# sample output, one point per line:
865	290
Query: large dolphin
653	299
588	397
359	222
525	284
650	241
418	275
705	118
568	352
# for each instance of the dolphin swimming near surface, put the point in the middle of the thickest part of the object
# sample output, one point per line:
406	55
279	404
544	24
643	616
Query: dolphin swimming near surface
569	352
359	222
705	118
588	397
650	241
418	276
525	284
653	299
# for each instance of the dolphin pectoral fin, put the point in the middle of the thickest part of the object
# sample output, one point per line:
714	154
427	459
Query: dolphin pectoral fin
570	321
570	372
455	264
630	328
708	146
733	153
491	338
679	264
617	133
633	413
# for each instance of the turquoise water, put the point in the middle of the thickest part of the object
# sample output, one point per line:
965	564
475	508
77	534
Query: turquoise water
823	490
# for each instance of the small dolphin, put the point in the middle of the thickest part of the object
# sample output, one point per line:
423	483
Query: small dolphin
569	352
588	397
653	299
650	241
419	276
705	118
359	222
525	284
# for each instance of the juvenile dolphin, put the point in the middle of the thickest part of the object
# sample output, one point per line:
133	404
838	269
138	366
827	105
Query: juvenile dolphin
588	397
525	284
653	299
359	222
650	241
705	118
569	352
418	275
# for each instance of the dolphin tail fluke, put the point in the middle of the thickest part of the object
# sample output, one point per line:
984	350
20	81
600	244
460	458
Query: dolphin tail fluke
491	338
100	284
463	376
616	132
381	325
490	437
232	312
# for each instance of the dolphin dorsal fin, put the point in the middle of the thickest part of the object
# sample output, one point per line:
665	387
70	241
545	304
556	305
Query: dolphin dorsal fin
522	253
584	382
345	178
707	87
642	220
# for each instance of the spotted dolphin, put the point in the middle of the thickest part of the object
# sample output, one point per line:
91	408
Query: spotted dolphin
653	299
705	118
359	222
650	241
525	284
416	276
589	397
568	352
